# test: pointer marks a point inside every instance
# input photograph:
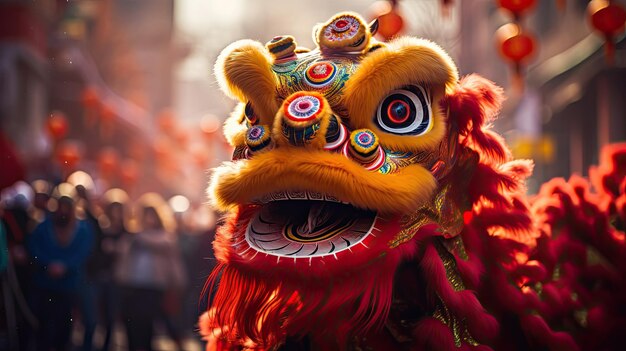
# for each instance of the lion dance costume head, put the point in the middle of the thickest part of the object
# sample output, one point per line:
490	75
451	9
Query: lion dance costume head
363	179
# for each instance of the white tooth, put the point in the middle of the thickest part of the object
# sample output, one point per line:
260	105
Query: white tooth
314	195
330	198
297	195
279	195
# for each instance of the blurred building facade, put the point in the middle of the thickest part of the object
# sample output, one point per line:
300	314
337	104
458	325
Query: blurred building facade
53	53
24	73
573	102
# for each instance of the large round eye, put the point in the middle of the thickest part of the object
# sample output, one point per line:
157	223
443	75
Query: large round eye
405	111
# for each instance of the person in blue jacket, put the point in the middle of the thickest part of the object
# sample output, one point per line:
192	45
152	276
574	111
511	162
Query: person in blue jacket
59	246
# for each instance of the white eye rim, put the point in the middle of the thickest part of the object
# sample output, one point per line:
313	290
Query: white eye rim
419	114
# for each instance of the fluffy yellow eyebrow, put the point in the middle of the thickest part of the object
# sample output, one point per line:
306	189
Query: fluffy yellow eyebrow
243	71
402	62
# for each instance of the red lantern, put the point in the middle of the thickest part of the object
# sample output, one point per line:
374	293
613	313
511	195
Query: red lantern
201	155
129	172
56	125
69	154
108	162
90	97
107	120
516	47
182	138
390	22
608	19
209	125
107	113
162	149
90	100
137	150
517	7
163	154
167	122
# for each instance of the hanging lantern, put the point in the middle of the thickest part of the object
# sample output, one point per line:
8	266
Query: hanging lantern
209	125
162	149
90	100
129	173
516	47
90	97
167	122
137	150
107	120
182	138
201	155
108	162
608	19
517	7
57	126
107	113
68	155
163	155
390	22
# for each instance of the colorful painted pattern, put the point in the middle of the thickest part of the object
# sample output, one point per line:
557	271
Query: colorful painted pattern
364	142
343	28
320	74
300	136
257	138
304	108
292	75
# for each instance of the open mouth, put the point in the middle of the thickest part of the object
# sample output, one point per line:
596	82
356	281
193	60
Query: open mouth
307	224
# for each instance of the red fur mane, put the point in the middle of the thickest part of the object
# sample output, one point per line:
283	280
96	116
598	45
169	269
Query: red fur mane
539	273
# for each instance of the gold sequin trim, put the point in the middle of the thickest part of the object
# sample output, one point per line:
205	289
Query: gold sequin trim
458	327
449	263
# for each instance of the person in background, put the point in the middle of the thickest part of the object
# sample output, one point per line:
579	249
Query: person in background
113	231
4	249
87	209
17	225
59	246
149	268
196	240
39	210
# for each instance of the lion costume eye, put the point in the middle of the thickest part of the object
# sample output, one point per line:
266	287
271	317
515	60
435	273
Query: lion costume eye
405	111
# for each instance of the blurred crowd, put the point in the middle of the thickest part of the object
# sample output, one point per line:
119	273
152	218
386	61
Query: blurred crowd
79	270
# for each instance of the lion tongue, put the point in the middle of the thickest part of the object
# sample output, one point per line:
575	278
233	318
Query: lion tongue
318	214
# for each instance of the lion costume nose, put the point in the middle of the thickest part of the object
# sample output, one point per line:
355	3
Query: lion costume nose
304	120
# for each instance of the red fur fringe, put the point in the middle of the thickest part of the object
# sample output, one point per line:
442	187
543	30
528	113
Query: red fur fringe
265	305
472	105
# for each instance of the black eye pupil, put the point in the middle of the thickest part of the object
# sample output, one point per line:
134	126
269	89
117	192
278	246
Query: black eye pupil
398	111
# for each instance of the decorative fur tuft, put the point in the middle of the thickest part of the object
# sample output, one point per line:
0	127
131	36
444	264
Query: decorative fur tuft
243	72
473	103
